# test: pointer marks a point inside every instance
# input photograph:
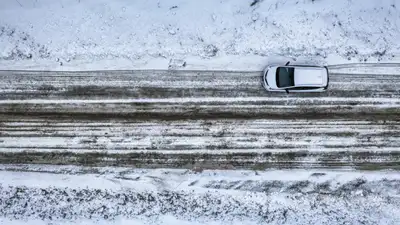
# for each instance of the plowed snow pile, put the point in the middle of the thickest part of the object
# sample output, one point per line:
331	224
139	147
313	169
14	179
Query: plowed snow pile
73	195
207	34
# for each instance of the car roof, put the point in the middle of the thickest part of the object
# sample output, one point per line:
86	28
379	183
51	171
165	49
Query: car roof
309	76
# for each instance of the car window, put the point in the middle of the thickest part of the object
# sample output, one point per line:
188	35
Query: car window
285	77
304	88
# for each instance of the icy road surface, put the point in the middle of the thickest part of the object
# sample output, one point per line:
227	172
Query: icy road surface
207	119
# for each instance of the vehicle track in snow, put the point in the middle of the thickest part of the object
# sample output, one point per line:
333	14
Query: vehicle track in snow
190	119
18	85
193	95
227	143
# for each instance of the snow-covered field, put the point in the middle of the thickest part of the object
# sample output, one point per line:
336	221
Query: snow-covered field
76	195
207	34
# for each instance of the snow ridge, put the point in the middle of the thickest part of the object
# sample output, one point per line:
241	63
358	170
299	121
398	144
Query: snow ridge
302	202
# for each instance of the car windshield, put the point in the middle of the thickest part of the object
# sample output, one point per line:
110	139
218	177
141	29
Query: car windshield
285	77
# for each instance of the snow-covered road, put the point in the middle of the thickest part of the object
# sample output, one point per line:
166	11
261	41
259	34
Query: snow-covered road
217	144
190	119
346	81
373	94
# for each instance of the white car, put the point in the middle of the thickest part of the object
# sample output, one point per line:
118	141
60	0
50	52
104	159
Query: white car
296	78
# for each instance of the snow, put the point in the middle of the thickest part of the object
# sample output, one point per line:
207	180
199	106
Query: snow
381	101
200	136
208	34
76	195
367	68
117	178
163	220
74	35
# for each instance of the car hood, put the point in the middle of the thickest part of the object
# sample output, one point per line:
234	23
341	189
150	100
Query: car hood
271	77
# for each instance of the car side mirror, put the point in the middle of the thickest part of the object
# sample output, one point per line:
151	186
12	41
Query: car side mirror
287	91
287	64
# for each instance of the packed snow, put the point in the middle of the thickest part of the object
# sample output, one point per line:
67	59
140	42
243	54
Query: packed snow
208	34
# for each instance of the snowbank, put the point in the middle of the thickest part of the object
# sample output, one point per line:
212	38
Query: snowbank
208	34
74	195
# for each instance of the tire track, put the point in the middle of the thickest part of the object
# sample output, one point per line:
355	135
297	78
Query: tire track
213	144
190	119
19	85
187	160
210	108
